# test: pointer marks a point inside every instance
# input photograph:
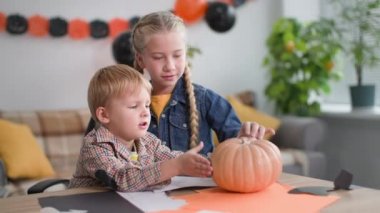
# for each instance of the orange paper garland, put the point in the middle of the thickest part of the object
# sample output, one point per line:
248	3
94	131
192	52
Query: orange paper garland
2	21
38	26
78	29
117	26
189	10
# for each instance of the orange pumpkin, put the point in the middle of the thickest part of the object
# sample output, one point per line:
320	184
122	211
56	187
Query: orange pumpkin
246	164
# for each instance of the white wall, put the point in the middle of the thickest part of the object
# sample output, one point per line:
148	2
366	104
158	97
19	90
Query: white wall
53	73
305	10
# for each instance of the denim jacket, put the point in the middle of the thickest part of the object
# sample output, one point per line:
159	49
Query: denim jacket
215	113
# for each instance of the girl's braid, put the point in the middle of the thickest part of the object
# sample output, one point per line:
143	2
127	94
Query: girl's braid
194	117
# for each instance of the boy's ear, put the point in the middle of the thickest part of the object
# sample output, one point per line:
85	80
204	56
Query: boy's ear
102	115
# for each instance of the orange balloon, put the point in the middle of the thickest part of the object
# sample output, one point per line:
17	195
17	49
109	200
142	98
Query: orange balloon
230	2
38	26
3	22
117	26
190	10
78	29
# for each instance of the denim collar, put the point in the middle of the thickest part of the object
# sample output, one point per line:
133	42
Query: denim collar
179	92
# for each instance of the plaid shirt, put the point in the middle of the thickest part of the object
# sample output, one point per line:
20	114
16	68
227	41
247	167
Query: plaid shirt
101	150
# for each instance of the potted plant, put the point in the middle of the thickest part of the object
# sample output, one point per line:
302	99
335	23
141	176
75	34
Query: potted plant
359	24
300	62
191	52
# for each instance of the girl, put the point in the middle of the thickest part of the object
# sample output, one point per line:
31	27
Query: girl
183	114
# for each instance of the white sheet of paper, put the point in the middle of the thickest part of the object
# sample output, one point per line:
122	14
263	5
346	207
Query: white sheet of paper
157	200
152	201
184	181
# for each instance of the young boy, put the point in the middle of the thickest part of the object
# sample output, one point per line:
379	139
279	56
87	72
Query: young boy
120	152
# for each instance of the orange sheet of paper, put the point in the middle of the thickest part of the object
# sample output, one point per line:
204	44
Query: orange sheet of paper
275	198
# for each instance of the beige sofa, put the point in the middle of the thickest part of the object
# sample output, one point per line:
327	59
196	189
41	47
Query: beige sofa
60	134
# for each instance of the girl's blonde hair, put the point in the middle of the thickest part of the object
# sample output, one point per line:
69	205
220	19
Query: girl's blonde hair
165	21
112	81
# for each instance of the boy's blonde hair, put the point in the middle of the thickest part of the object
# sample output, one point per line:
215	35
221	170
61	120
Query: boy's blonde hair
165	21
112	81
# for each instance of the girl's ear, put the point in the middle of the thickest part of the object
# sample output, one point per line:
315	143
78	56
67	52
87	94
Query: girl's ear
140	60
102	115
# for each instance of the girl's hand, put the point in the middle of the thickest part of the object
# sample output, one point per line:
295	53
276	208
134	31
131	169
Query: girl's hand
255	130
193	164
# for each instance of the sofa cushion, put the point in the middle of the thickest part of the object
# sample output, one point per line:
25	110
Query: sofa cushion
305	133
64	122
22	156
247	113
59	132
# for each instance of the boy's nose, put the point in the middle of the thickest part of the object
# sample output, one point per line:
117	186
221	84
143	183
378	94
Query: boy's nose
145	112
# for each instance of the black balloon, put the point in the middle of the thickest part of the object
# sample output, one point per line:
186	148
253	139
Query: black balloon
57	27
238	3
122	49
99	29
133	21
220	16
16	24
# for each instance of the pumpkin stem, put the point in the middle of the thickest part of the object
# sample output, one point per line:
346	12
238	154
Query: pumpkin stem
244	140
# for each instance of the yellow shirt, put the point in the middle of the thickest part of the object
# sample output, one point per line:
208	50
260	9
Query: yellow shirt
159	102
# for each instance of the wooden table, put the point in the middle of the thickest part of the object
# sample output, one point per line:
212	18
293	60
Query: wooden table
359	199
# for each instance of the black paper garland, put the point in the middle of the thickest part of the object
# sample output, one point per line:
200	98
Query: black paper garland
16	24
122	49
57	27
220	16
133	21
238	3
99	29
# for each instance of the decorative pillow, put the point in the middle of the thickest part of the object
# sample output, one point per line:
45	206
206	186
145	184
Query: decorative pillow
22	156
247	113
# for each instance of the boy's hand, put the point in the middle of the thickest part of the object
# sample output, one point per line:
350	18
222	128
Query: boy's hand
255	130
193	164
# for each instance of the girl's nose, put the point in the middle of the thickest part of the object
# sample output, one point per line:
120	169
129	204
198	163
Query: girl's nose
169	64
